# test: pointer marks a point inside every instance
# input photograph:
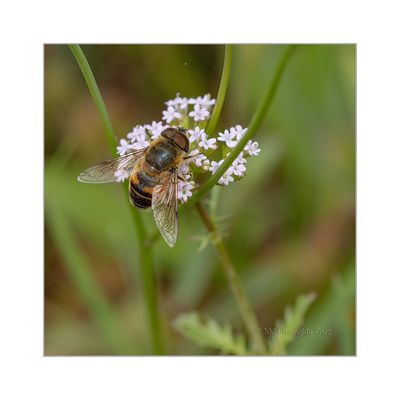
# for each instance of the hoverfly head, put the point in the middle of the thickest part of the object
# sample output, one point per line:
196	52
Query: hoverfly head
178	137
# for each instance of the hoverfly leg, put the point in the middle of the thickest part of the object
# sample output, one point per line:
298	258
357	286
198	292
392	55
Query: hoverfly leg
182	178
191	157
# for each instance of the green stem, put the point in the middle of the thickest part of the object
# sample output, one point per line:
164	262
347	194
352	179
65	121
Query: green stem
96	95
255	123
223	86
145	254
246	311
149	284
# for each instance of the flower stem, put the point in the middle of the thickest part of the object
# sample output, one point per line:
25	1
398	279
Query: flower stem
246	311
223	86
145	254
255	123
149	285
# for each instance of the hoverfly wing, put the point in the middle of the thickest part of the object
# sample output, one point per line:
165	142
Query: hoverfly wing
165	207
104	172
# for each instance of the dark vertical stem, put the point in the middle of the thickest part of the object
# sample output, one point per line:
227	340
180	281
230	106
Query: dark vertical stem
246	311
149	285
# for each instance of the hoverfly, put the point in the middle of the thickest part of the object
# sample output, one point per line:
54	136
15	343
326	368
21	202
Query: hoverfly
153	178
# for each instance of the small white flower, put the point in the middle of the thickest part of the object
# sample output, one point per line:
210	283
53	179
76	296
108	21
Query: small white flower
138	130
155	129
195	134
170	114
208	143
173	102
206	164
140	143
196	157
184	190
228	138
170	103
205	101
226	178
121	175
240	158
199	113
214	166
252	149
239	131
193	153
238	168
124	147
182	102
192	100
178	103
183	169
199	160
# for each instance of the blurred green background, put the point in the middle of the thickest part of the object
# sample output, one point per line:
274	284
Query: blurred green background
290	223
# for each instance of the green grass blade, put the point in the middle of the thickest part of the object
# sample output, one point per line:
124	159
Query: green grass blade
145	253
95	93
223	86
255	123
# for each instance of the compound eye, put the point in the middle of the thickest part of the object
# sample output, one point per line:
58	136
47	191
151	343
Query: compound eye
168	133
181	141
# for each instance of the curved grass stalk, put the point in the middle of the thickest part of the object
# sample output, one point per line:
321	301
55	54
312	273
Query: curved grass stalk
223	86
145	254
95	93
255	123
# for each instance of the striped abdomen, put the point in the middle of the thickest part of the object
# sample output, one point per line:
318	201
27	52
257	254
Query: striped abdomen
161	156
141	188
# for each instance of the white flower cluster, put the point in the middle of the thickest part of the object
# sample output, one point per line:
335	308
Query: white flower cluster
140	137
192	114
181	107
